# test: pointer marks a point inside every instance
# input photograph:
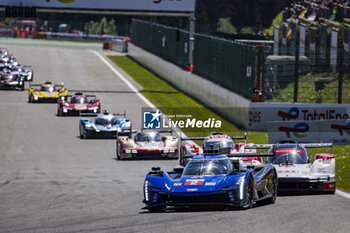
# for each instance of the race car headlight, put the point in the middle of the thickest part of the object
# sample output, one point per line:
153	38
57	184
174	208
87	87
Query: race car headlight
88	125
134	151
165	151
36	97
146	185
172	150
240	182
128	151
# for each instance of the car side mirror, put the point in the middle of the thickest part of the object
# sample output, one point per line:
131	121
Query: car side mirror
179	169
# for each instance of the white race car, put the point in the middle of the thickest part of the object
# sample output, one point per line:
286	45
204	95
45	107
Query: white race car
216	143
295	170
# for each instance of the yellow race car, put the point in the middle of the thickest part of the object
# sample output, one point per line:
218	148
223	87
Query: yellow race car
47	92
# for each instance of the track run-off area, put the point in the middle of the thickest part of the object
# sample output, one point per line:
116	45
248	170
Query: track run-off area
52	181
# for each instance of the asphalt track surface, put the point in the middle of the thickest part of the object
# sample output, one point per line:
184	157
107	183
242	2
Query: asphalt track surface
52	181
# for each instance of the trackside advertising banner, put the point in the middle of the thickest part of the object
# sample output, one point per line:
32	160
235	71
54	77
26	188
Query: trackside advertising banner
261	113
336	131
137	5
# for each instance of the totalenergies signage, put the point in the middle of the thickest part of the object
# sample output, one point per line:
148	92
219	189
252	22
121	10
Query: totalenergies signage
335	131
262	113
136	5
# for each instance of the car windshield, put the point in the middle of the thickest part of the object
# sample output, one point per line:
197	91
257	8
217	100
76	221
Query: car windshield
148	137
79	100
216	145
291	158
208	167
106	121
48	88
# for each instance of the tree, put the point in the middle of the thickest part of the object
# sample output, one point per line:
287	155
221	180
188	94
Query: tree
256	14
224	25
102	27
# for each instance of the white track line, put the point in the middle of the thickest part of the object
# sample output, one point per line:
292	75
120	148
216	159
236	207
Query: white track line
124	79
343	194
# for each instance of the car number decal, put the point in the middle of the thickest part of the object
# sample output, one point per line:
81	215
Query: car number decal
80	107
49	94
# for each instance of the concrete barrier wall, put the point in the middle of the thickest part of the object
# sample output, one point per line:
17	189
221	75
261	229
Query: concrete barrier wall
228	104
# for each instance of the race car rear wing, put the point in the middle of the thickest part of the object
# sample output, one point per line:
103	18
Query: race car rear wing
306	145
124	133
243	155
34	85
160	131
39	85
119	114
91	96
250	155
202	138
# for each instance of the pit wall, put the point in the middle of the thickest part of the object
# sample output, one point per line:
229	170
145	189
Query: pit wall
226	103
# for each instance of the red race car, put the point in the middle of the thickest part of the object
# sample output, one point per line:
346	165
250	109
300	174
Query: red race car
79	104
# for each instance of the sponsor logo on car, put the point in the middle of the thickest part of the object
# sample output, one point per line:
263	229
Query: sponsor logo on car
194	182
210	183
191	190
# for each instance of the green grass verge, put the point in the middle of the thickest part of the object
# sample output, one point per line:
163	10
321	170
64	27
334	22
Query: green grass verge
308	94
172	101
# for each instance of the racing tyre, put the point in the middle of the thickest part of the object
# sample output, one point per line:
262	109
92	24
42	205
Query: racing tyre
250	193
157	209
83	135
118	151
29	99
82	132
59	112
272	199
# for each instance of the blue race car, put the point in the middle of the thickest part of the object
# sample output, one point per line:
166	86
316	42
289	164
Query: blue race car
106	125
211	180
